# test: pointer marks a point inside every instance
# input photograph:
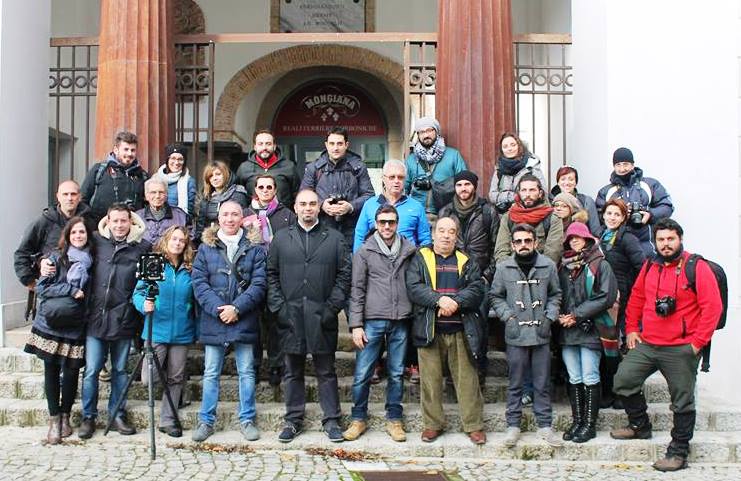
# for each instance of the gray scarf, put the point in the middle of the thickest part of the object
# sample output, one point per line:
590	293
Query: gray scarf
390	252
433	154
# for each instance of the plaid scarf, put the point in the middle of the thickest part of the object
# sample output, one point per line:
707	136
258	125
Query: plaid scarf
433	154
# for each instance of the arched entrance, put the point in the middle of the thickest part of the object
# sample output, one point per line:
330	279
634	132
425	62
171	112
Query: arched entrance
306	114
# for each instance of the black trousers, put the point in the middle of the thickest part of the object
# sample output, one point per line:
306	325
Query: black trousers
52	388
295	387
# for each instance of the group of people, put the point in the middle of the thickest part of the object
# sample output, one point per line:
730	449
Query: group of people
270	259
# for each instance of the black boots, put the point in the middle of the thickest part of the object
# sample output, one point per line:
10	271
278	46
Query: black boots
576	398
639	426
588	429
679	447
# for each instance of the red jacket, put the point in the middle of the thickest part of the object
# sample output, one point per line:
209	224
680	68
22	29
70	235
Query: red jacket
696	316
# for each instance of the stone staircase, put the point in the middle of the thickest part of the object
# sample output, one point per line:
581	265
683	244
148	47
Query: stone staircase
717	438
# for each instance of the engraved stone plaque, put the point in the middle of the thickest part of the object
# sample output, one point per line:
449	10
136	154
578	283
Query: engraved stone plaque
322	15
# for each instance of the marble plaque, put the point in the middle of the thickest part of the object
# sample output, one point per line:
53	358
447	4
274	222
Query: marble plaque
322	15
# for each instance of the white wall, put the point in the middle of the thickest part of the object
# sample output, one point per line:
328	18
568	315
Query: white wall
665	89
24	47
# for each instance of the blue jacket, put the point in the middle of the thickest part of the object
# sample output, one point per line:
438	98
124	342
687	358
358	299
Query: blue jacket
218	282
413	223
451	163
174	322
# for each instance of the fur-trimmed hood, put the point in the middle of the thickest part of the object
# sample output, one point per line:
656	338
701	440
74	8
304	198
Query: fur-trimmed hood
135	234
210	237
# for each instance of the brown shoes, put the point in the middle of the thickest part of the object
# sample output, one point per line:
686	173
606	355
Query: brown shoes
66	427
355	430
54	436
395	429
477	437
632	432
429	435
670	463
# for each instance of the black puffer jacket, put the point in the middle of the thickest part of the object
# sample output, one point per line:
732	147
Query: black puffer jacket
626	257
208	209
477	238
424	299
586	305
284	172
40	239
308	284
349	178
109	182
111	314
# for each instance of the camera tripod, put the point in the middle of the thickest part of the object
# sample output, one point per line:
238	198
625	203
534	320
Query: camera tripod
152	363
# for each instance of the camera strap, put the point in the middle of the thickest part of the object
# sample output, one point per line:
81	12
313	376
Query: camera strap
677	271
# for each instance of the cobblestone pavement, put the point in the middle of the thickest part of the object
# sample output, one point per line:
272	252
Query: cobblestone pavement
24	456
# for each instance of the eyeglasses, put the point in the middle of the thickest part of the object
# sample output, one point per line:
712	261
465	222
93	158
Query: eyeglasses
523	241
264	187
395	177
387	221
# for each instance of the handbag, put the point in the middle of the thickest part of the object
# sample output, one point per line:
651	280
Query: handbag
62	312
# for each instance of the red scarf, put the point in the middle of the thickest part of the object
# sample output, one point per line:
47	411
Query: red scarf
266	164
531	215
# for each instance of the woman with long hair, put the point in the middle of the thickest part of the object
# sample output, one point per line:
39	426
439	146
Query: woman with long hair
514	161
218	187
174	326
58	331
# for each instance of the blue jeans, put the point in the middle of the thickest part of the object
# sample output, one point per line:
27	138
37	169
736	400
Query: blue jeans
395	333
582	364
214	361
96	352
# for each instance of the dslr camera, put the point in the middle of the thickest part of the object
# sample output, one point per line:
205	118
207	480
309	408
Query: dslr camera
665	306
635	217
151	267
422	182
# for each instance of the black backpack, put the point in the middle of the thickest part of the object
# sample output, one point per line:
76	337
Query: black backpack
722	280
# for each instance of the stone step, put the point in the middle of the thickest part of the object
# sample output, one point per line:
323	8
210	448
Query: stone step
16	412
31	386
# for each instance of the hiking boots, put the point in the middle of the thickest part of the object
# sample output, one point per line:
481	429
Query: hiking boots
395	429
355	430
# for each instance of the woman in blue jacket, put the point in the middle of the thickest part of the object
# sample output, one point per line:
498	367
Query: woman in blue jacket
174	326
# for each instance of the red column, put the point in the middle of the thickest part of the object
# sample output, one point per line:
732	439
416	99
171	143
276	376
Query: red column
474	95
136	79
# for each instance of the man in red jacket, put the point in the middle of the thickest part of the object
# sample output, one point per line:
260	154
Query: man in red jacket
667	324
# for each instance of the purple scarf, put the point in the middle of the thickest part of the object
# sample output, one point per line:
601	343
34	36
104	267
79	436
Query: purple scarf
263	216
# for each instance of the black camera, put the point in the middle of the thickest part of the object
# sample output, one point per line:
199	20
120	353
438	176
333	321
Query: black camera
422	182
635	217
337	198
151	267
665	306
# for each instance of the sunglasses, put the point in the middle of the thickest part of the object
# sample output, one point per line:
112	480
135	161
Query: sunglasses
387	221
518	242
264	187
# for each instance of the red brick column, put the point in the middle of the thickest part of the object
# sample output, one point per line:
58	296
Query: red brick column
474	97
136	78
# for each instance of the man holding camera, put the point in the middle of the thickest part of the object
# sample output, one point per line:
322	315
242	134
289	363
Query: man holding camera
341	180
430	165
667	324
647	200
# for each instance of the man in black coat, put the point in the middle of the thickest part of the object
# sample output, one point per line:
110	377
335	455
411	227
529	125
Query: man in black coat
42	236
117	179
112	318
308	284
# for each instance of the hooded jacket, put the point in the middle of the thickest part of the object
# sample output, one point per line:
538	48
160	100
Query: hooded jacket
217	281
349	178
647	192
109	182
379	284
528	305
208	209
40	239
284	171
586	305
502	187
111	315
420	282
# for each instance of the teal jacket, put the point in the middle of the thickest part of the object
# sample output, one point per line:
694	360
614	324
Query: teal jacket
174	321
451	163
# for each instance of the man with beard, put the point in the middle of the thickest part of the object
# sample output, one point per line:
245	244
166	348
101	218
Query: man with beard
341	180
667	325
479	226
266	158
117	180
526	295
531	207
308	284
647	200
431	162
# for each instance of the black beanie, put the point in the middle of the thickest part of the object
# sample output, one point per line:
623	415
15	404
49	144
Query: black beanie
466	175
176	149
623	154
